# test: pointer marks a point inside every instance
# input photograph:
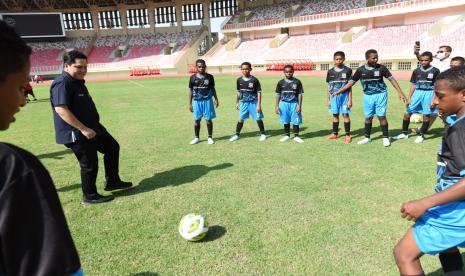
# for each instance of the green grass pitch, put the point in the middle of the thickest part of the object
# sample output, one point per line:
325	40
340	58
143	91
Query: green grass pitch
318	208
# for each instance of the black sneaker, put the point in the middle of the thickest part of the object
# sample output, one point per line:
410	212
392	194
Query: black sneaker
97	199
117	186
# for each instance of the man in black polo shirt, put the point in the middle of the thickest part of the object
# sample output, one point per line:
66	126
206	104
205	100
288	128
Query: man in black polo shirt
77	126
34	235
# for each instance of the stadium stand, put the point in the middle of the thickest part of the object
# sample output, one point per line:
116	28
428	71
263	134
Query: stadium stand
391	41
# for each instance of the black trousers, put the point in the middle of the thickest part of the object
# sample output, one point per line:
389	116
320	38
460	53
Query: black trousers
86	154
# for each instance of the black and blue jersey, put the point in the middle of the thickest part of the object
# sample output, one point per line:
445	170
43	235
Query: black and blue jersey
424	79
451	154
289	89
337	78
371	78
248	88
202	86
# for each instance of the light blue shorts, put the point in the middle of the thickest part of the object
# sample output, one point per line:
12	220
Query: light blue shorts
420	102
375	104
339	103
288	114
440	228
203	108
249	108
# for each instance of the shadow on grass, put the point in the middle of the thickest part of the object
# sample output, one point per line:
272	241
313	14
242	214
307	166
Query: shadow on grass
39	101
214	232
269	133
54	155
174	177
69	188
146	273
439	271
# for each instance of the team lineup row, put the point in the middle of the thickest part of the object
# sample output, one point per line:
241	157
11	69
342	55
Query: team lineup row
289	91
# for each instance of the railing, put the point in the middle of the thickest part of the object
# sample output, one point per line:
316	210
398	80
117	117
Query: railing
329	15
45	68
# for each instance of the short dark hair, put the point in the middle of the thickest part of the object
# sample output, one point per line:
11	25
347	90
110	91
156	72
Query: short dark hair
449	49
14	52
427	54
370	52
459	59
200	61
455	77
246	63
288	66
340	53
71	56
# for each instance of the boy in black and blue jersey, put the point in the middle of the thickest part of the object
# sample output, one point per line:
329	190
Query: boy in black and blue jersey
375	97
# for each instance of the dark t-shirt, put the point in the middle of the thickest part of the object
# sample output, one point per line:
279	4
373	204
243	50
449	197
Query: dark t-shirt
248	88
451	155
371	78
202	86
337	78
424	79
34	236
66	90
289	90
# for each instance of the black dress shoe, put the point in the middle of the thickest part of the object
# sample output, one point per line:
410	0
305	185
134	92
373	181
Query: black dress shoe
97	199
117	186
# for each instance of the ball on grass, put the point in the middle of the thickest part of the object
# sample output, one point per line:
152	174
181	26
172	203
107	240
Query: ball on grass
193	227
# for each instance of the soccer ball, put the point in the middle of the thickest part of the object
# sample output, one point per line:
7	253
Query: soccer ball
193	227
416	118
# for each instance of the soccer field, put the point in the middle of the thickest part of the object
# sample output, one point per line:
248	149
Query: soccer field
317	208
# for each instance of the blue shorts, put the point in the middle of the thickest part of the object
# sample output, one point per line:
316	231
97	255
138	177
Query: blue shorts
249	108
288	114
375	104
440	228
420	102
203	108
339	103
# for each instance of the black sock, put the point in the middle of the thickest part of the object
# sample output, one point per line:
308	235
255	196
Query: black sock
405	124
296	130
424	128
287	129
261	126
385	130
451	262
197	130
368	129
210	129
335	128
239	128
347	127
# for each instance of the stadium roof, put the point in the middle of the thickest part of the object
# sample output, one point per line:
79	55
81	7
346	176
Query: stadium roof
29	5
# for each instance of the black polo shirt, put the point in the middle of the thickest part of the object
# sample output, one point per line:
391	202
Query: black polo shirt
34	235
66	90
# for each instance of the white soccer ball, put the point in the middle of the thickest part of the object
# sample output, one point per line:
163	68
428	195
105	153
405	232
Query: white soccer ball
193	227
416	118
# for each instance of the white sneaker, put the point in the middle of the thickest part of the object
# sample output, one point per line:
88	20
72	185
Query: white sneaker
386	142
235	137
419	139
262	138
365	140
210	141
195	141
285	138
401	136
298	139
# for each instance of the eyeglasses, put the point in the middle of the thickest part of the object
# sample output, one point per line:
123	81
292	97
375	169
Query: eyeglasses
440	52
